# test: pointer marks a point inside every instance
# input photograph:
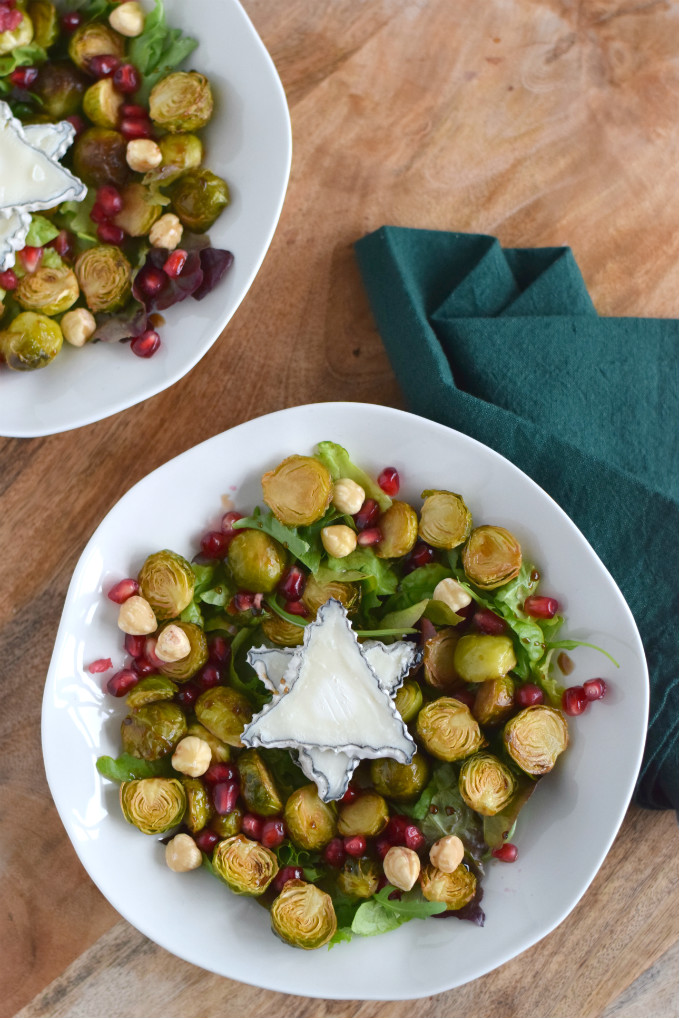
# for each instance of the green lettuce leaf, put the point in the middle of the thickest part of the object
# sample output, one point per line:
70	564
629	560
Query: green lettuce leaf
21	56
126	767
442	811
290	539
338	462
192	614
381	914
363	561
75	216
242	676
40	231
157	50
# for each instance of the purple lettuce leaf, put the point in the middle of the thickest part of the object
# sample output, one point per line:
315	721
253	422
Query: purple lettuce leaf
129	322
214	263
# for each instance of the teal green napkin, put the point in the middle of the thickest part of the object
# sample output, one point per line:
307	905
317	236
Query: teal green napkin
506	346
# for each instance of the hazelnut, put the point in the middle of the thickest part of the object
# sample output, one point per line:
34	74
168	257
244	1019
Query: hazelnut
401	867
338	540
127	19
182	854
173	644
192	756
348	496
78	326
452	594
166	232
136	616
447	853
143	154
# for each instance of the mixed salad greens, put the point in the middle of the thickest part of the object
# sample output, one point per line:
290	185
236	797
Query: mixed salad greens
215	642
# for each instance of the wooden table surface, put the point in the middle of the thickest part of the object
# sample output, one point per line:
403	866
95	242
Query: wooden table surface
545	122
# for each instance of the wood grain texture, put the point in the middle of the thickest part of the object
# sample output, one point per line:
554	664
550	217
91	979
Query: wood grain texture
544	122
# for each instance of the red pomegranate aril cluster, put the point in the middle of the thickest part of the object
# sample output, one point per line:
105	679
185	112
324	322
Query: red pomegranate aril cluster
413	838
8	279
122	682
355	846
488	622
209	677
10	18
243	601
219	649
292	584
103	65
206	840
541	607
134	111
143	666
506	853
134	645
296	608
109	233
334	852
146	344
126	80
367	515
595	689
214	545
24	77
224	796
574	700
370	536
529	694
220	772
175	262
273	833
30	258
123	590
420	556
109	200
395	830
188	694
287	874
388	480
251	826
135	127
349	795
70	21
150	280
100	666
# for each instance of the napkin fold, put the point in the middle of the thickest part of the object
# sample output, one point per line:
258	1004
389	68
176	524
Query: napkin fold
505	345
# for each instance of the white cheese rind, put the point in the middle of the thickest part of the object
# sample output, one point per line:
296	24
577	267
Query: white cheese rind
332	771
52	139
14	226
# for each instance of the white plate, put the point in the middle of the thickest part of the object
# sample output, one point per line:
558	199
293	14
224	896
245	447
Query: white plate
248	142
564	831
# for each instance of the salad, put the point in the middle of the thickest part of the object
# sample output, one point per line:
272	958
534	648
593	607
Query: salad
247	746
105	217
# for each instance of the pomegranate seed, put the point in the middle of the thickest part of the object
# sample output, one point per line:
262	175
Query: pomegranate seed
220	650
287	874
228	521
541	607
334	853
296	608
24	77
71	21
370	536
63	243
464	695
98	214
251	826
367	515
121	682
146	344
595	689
109	233
126	80
100	666
529	694
208	677
77	123
122	591
413	838
420	556
150	652
175	262
10	20
136	112
388	480
382	846
220	772
506	853
30	258
355	846
8	279
206	840
103	65
243	601
150	280
134	645
273	833
224	796
574	700
292	584
143	667
109	200
135	127
487	622
349	795
395	829
188	694
215	544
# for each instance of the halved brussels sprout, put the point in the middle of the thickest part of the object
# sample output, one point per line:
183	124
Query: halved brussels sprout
491	556
31	341
246	866
94	39
438	660
182	101
50	291
448	730
45	21
409	700
303	915
99	157
149	689
22	35
486	784
535	737
283	633
454	889
220	751
102	103
298	490
198	198
104	275
399	529
153	805
256	561
139	212
179	153
166	581
366	816
311	824
445	521
199	807
197	657
258	787
317	594
480	657
400	782
227	825
153	731
359	877
224	712
494	701
60	87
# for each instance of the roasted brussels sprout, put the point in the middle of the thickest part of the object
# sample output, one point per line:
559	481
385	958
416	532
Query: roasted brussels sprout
486	784
409	700
198	198
182	101
31	341
491	557
94	39
317	594
104	275
43	15
50	291
179	153
153	805
283	633
246	866
448	730
22	35
199	808
60	87
220	751
152	731
298	491
139	212
399	529
455	889
480	657
99	157
258	787
224	712
359	877
494	701
438	660
166	581
400	782
184	668
149	689
303	915
535	737
445	521
366	816
311	824
102	103
227	825
256	561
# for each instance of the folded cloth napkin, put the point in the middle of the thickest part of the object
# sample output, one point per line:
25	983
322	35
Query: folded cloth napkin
506	346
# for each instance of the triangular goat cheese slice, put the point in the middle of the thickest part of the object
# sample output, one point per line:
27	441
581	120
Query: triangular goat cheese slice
14	226
29	179
52	139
